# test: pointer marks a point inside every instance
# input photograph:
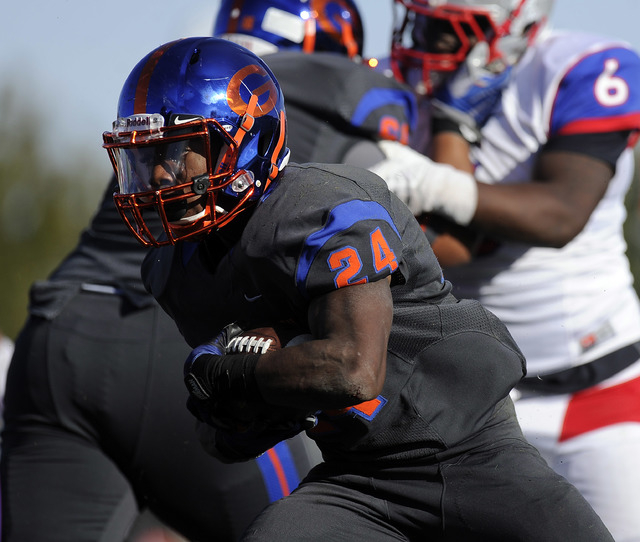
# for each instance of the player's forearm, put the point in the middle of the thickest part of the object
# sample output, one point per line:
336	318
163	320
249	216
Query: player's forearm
316	375
549	212
451	148
528	213
346	364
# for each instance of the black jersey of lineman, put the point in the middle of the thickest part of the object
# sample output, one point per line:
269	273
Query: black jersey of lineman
106	256
334	103
325	227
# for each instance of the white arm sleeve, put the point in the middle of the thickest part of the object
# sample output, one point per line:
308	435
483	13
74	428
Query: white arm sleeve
426	186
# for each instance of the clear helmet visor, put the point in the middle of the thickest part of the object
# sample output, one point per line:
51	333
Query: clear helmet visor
161	165
151	160
177	169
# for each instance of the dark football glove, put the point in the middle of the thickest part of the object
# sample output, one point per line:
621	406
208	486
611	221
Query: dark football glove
220	384
223	391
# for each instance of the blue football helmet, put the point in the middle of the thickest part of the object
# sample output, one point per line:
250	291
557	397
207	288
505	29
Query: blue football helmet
199	136
265	26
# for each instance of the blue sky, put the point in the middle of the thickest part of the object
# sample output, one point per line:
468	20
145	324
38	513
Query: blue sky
67	59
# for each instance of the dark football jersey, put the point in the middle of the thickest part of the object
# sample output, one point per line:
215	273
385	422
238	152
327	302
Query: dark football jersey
106	257
323	227
334	104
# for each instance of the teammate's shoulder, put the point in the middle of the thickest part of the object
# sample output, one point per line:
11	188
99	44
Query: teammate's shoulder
298	71
288	58
331	69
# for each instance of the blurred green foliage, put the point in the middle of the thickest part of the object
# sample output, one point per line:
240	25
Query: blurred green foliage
42	209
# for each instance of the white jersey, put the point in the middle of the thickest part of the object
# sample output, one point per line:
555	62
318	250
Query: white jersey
568	306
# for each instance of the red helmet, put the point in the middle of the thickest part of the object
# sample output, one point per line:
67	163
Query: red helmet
431	38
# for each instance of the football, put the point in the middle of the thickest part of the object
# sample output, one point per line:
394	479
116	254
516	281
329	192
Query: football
265	339
256	341
261	340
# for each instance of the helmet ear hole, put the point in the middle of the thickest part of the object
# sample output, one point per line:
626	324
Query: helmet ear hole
264	142
268	139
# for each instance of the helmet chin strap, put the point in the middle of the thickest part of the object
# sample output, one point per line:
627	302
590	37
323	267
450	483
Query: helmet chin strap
275	169
285	159
245	126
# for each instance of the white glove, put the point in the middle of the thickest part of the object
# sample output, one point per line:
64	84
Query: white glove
426	186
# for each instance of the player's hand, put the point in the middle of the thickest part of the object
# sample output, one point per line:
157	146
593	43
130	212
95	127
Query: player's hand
223	392
231	428
471	94
203	373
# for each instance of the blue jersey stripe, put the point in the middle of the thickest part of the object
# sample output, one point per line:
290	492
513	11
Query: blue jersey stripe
379	97
278	471
598	89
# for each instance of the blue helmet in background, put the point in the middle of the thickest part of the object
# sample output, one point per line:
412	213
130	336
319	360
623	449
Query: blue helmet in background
265	26
199	136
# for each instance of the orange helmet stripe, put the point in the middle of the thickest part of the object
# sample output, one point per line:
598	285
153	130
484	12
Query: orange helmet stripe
142	88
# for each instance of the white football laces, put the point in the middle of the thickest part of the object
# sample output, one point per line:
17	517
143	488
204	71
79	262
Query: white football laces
249	344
